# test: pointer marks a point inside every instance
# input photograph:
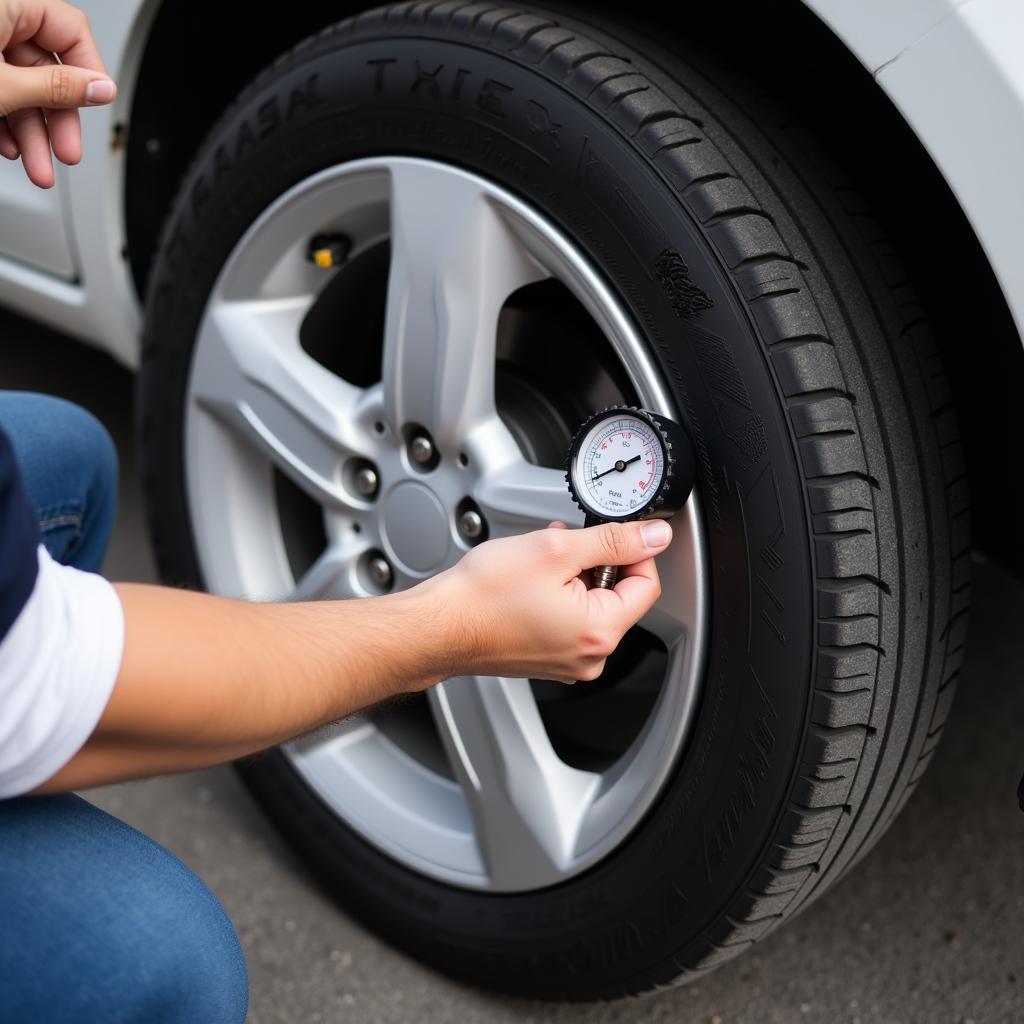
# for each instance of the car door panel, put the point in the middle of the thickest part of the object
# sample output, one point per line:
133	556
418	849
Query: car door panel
32	228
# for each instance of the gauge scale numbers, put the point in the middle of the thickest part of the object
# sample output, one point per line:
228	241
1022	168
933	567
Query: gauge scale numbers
623	464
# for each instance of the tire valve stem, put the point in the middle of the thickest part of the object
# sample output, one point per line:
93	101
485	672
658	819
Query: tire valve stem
605	576
328	251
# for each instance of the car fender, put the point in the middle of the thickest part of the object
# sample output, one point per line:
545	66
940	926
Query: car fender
953	70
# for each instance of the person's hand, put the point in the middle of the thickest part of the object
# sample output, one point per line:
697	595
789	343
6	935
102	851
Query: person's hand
49	66
520	606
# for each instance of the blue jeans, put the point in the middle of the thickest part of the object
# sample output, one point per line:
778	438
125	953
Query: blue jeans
69	466
97	922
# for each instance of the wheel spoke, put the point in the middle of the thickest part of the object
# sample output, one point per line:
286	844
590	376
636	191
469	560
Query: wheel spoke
454	262
666	620
332	576
518	496
677	613
253	376
329	741
526	803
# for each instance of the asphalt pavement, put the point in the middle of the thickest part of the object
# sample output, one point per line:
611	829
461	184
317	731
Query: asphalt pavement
928	928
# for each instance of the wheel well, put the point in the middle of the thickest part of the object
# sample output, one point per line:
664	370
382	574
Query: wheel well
218	61
789	53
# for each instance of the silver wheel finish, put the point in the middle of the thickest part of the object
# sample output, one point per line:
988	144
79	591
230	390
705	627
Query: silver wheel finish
516	817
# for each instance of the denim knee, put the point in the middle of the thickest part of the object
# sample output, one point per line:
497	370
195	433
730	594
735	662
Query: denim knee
102	924
191	966
69	464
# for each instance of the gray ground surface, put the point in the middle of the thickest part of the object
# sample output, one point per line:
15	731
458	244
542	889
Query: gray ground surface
929	927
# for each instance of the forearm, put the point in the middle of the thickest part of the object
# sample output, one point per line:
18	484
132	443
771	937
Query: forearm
205	679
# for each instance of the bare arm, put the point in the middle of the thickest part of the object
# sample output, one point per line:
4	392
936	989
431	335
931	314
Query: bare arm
205	679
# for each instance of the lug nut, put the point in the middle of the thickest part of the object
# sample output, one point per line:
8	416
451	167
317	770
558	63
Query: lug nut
421	449
379	571
471	524
366	481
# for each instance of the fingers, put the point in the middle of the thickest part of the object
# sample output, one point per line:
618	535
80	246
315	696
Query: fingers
29	131
637	592
39	95
590	670
648	568
65	130
62	126
57	27
617	543
8	147
632	598
53	85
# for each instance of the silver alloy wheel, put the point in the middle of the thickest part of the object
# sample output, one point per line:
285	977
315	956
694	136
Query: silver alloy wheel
514	816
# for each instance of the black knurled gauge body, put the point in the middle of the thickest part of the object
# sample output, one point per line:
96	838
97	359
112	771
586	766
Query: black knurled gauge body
625	464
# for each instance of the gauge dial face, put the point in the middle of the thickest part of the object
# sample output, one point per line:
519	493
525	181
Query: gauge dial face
619	467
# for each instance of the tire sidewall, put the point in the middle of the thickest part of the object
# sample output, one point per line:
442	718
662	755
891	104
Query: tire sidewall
617	925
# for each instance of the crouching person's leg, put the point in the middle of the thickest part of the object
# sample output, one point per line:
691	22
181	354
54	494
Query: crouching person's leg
69	465
99	923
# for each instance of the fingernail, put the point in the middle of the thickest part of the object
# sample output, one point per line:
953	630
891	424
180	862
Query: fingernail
100	91
656	533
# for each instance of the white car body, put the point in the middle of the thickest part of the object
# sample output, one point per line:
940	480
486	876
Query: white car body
951	67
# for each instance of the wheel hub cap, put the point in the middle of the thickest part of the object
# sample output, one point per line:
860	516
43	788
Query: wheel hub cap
416	527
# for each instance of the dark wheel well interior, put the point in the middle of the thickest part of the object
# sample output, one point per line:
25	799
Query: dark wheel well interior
792	57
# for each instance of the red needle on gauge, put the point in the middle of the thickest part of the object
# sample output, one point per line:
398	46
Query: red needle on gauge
619	467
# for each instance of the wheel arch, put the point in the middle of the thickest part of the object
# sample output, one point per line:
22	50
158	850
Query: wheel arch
853	118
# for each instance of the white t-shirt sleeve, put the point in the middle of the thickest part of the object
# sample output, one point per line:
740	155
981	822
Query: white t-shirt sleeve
58	665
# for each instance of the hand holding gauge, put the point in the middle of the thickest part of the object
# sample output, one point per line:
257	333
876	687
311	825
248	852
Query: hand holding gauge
625	464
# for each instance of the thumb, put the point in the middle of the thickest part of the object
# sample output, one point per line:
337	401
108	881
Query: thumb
618	543
52	85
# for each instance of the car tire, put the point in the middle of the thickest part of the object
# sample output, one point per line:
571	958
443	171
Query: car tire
830	471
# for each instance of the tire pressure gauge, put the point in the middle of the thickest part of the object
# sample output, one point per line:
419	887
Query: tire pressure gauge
625	464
